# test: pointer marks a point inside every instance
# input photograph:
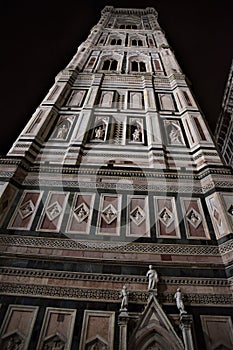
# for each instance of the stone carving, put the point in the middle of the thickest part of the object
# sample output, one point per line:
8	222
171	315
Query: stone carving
124	295
97	344
166	216
53	211
109	214
136	136
175	136
230	210
62	131
13	342
179	301
99	133
81	212
152	277
137	215
26	209
54	343
194	218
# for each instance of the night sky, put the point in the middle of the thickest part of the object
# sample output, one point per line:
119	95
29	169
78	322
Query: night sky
39	38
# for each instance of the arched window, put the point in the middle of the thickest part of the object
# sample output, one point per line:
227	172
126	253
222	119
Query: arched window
138	66
119	42
106	65
110	65
113	42
142	67
122	26
134	66
134	27
139	42
128	26
134	42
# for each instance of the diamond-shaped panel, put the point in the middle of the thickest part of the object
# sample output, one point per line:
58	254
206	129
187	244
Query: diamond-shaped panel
217	216
53	211
230	210
109	214
194	218
81	212
137	215
166	216
26	209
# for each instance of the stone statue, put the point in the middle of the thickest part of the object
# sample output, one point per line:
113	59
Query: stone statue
153	278
179	301
62	131
136	134
99	133
175	136
124	295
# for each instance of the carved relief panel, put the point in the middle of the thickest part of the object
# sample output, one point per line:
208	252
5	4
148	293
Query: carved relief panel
17	327
76	98
97	330
166	102
167	225
174	132
57	329
194	219
26	210
218	332
53	211
109	215
138	216
217	215
81	213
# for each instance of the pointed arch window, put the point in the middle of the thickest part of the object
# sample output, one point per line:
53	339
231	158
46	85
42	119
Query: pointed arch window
138	66
110	64
136	42
116	42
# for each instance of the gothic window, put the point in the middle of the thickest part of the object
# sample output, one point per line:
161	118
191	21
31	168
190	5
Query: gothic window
116	42
91	62
136	100
138	66
136	42
76	98
199	128
128	26
122	26
187	98
110	65
157	65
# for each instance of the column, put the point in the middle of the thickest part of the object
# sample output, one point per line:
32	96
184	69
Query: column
185	325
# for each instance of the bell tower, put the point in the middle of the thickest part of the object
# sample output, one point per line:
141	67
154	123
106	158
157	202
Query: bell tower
116	173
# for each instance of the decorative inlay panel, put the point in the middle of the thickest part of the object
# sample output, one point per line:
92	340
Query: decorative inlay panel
194	218
97	330
166	218
138	217
57	329
81	213
17	327
26	210
109	215
53	212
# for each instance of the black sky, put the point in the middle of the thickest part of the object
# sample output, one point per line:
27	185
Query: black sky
39	38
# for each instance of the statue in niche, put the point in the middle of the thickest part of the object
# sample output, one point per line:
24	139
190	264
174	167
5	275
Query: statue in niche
153	278
175	136
136	134
179	301
62	131
124	295
99	133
